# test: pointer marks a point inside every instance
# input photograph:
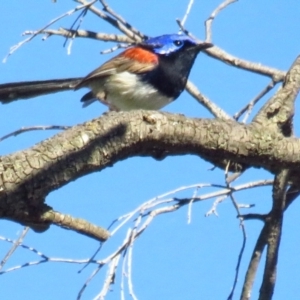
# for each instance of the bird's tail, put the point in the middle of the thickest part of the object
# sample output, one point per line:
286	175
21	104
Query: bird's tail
28	89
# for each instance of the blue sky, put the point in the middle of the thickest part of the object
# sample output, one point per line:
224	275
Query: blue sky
172	259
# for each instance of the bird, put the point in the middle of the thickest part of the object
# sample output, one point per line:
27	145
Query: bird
148	75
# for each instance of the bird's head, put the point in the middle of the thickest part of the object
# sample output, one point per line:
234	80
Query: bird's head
171	43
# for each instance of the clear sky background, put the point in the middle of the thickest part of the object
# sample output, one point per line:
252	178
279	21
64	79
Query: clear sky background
172	259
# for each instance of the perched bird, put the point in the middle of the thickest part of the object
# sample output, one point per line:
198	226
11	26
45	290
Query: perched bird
148	75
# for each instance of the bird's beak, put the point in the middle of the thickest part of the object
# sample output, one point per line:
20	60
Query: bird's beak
203	45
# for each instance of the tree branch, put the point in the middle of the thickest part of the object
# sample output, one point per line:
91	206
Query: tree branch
27	177
70	33
279	110
239	63
274	224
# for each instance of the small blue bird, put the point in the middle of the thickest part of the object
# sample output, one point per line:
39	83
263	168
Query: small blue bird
148	75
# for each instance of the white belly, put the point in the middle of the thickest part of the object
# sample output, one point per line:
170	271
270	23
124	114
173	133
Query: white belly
124	91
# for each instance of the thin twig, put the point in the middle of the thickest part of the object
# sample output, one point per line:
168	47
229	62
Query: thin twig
15	47
184	30
190	206
105	37
94	273
79	19
191	2
123	277
242	225
32	128
110	277
15	245
115	23
240	256
142	216
113	260
248	108
114	48
213	209
118	17
92	257
212	107
153	201
157	200
219	54
129	258
181	23
226	191
209	21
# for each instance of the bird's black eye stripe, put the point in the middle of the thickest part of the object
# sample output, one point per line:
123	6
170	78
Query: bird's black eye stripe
178	43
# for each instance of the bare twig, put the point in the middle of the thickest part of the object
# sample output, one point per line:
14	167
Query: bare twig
105	37
248	108
94	273
208	22
142	218
120	19
77	224
219	54
274	235
68	33
15	47
148	210
123	278
113	49
92	257
226	191
115	23
253	264
162	199
191	2
110	277
16	244
213	209
277	113
184	30
260	217
190	206
129	258
79	19
181	23
212	107
44	258
32	128
270	235
242	225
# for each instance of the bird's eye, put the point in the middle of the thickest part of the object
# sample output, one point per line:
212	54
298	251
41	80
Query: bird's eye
177	43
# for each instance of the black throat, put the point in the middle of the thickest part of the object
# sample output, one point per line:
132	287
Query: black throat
172	72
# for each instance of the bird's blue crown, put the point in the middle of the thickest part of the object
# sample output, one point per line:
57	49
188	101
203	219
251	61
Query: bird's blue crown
169	43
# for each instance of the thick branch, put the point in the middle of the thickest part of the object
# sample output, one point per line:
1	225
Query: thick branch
26	177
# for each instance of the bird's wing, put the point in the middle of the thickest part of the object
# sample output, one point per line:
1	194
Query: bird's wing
133	60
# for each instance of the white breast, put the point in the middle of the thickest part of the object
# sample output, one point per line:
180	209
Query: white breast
124	91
